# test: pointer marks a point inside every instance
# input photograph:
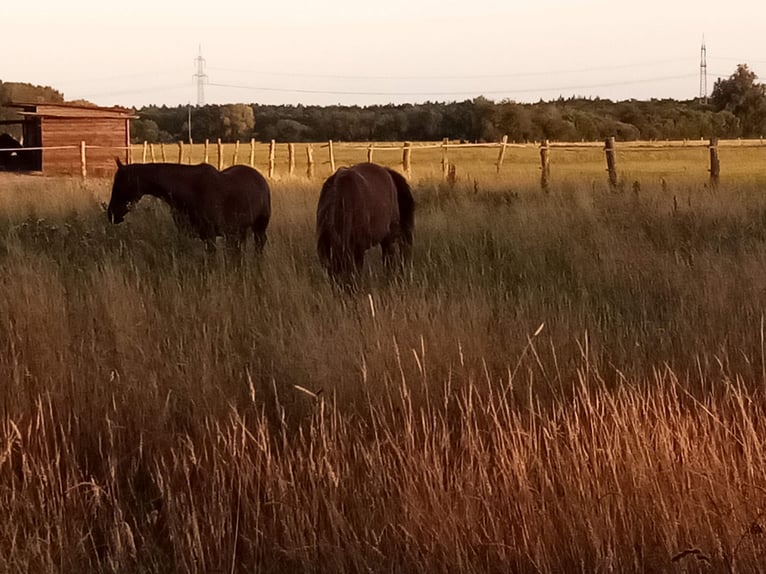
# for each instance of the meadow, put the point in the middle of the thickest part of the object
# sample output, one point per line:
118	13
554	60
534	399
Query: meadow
570	381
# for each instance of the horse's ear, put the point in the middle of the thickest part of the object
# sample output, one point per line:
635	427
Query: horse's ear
119	163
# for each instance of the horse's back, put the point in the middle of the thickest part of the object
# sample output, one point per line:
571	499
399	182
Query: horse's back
244	177
232	200
358	205
368	187
245	186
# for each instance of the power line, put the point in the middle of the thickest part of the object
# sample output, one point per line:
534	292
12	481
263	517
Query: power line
739	60
458	77
141	90
451	93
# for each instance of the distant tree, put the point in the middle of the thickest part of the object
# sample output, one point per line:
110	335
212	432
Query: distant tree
742	95
205	123
724	124
552	123
626	132
236	121
515	121
425	123
483	119
586	125
385	127
142	130
170	121
289	130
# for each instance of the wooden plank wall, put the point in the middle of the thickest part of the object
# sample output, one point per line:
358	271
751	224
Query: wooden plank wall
105	133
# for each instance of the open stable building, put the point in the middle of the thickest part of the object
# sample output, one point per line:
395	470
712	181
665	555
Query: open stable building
60	128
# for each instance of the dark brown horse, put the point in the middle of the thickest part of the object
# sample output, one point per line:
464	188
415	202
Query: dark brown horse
360	207
211	203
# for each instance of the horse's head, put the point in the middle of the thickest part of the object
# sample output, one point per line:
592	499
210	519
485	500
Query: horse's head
126	191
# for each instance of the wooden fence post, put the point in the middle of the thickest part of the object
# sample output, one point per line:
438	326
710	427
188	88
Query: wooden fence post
407	159
445	160
236	153
180	152
332	156
151	152
290	159
370	150
501	155
309	161
220	155
143	152
272	158
83	163
162	151
715	163
252	152
206	156
611	161
545	165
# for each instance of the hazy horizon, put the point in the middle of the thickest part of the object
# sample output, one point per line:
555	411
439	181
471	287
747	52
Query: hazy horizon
338	53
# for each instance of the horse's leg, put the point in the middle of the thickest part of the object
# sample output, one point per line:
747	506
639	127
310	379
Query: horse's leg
259	234
206	233
405	250
234	241
358	260
210	247
387	247
346	267
396	252
182	221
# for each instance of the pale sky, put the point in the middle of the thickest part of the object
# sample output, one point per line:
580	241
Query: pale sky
355	52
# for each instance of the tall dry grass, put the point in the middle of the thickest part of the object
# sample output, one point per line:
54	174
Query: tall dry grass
566	382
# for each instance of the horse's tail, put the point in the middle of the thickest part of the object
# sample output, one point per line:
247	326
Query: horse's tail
325	235
348	187
334	220
406	206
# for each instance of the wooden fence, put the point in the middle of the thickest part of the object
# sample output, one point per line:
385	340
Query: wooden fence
408	150
181	153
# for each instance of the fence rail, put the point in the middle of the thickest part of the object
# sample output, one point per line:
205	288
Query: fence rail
611	148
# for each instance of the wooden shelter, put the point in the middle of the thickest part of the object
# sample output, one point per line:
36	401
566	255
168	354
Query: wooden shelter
54	134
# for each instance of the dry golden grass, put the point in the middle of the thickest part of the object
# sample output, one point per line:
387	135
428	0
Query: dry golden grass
566	382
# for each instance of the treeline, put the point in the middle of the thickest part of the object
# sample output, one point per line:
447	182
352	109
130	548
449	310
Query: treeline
737	108
471	120
22	92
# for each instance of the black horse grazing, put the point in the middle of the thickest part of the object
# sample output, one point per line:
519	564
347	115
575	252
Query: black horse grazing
360	207
211	203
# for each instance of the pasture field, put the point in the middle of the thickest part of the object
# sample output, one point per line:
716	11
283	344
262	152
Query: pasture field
570	381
